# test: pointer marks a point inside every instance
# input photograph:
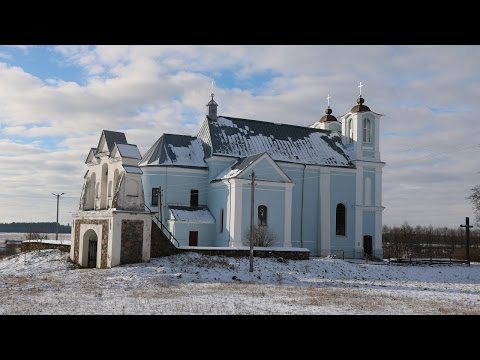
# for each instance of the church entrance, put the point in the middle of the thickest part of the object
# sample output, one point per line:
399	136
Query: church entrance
92	253
367	245
193	238
92	239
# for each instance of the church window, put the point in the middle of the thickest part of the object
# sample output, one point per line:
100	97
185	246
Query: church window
221	220
110	188
97	190
350	131
155	196
193	197
262	215
366	130
340	219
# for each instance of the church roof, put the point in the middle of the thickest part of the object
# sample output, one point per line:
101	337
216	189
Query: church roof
129	151
199	214
112	137
230	136
175	150
360	107
244	163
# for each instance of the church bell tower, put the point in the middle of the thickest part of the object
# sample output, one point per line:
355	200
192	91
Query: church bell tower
361	131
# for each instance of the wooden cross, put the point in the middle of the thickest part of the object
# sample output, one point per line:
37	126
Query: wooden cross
328	100
360	87
467	227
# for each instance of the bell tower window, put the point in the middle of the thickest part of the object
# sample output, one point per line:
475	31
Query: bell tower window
367	130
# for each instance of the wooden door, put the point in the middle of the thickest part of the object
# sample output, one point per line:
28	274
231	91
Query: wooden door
367	245
193	238
92	254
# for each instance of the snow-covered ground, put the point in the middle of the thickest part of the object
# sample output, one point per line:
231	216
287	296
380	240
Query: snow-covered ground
44	282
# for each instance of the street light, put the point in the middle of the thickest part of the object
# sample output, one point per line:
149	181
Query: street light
58	198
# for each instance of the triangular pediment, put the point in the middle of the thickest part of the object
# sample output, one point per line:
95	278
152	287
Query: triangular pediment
262	164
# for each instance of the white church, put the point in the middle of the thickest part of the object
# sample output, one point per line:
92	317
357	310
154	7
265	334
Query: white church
316	186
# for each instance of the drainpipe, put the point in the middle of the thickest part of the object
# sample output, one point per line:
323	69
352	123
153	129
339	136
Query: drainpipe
301	212
230	209
166	192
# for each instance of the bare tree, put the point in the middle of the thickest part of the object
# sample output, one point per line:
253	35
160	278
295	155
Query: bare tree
262	237
475	199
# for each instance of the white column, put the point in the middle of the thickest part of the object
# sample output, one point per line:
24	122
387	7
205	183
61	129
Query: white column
378	186
358	124
358	230
287	231
358	210
377	246
236	219
325	208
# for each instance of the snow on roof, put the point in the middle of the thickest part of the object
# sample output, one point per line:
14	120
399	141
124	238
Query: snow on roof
132	169
175	150
192	214
129	151
283	142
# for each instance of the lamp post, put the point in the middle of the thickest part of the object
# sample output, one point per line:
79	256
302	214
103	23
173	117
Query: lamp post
58	199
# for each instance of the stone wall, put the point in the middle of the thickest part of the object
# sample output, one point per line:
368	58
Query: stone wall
160	244
131	241
42	246
103	241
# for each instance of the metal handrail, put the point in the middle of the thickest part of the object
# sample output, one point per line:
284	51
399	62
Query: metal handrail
163	227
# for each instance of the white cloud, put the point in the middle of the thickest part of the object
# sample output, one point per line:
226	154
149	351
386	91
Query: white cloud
429	95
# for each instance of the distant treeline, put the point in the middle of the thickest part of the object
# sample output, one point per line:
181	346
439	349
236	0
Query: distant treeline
426	240
38	227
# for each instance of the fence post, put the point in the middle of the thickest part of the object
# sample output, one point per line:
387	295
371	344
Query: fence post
410	256
343	254
450	259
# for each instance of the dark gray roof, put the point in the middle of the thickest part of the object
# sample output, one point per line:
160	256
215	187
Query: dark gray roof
230	136
175	150
245	162
112	137
92	151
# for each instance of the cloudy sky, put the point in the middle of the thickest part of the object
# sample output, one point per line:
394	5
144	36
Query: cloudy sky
55	101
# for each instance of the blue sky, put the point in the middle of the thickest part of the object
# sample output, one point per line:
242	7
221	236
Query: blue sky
55	100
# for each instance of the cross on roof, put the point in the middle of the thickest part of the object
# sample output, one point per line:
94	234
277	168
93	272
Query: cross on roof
360	87
213	87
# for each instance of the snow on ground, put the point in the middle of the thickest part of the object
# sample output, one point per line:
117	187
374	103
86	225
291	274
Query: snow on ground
22	236
45	282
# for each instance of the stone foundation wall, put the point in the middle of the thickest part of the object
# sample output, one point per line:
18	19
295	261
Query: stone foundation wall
43	246
292	255
160	244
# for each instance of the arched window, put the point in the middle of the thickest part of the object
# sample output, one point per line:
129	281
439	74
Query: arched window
262	215
110	188
366	130
350	131
340	219
221	220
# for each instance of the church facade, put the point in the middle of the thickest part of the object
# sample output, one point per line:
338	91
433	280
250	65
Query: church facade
317	187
